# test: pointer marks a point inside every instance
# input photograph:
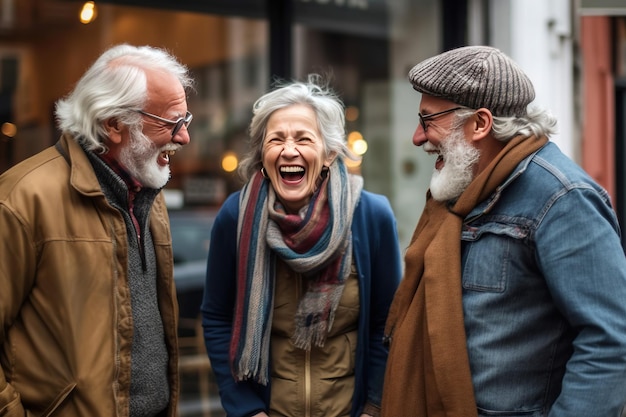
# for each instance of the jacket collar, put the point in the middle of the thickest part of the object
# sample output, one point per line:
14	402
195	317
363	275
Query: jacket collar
82	175
490	201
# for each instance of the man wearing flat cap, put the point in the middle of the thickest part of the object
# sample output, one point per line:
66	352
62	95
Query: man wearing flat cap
513	301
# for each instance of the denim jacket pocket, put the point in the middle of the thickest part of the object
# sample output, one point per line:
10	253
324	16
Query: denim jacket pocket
488	244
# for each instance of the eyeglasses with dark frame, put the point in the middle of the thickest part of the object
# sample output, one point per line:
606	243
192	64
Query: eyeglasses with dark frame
178	123
427	117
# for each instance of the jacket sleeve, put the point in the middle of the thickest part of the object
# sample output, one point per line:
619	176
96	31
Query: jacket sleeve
239	399
385	274
580	255
17	261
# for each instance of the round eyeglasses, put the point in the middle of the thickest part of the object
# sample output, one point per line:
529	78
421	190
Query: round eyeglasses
178	123
427	117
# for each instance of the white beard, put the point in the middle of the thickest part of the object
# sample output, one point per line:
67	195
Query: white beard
458	172
139	158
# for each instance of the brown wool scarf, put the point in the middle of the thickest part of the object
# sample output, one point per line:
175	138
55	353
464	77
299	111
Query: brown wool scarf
428	372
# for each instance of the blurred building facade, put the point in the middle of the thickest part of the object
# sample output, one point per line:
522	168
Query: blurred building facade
573	50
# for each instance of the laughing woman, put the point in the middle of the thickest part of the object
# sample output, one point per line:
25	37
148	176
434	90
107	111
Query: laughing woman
302	268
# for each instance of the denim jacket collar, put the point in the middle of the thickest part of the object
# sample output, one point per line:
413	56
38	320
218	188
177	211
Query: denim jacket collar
489	202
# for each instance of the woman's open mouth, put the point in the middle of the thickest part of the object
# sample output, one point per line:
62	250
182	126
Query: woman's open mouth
292	173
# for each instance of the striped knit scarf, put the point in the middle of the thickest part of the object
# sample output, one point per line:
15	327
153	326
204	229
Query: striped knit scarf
317	245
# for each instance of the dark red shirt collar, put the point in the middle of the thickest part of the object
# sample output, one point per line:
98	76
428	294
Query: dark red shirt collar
133	185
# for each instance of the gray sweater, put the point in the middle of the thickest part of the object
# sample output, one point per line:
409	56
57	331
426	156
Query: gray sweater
149	390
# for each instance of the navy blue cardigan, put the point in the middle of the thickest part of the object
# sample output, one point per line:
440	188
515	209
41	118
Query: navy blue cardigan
378	262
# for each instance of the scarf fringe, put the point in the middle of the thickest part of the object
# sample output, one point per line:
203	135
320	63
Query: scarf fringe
315	316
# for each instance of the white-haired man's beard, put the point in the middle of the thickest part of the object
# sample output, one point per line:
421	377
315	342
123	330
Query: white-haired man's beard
139	157
460	158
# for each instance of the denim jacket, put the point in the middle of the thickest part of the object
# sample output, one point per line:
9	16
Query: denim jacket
544	294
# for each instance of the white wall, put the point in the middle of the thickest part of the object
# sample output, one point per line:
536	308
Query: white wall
538	35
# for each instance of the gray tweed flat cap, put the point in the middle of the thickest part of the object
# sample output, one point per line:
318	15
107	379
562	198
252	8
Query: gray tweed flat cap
475	76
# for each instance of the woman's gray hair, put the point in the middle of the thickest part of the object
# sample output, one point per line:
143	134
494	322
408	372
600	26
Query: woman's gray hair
315	92
537	121
113	86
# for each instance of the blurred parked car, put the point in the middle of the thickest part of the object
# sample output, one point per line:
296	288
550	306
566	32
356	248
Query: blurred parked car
191	236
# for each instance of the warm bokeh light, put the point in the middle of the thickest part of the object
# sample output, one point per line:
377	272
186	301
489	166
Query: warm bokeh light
229	162
352	113
359	146
354	136
88	12
8	129
356	143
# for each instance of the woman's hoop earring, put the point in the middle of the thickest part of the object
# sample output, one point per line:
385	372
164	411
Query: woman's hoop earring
264	172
